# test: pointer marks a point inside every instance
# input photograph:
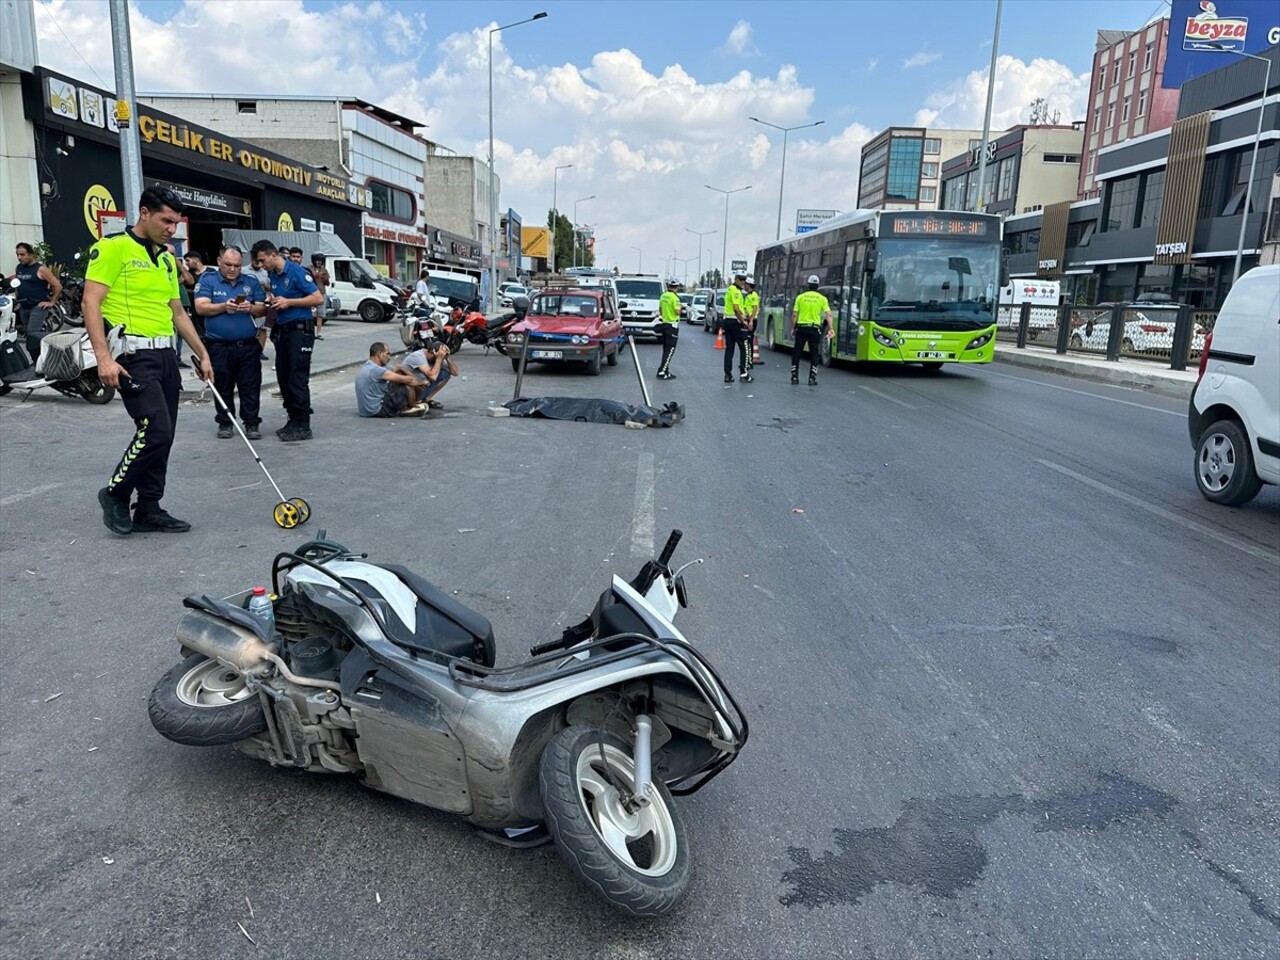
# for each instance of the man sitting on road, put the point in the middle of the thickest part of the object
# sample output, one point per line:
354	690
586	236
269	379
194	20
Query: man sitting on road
383	391
431	367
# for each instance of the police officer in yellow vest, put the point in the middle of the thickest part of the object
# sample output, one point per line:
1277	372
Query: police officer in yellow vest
669	315
132	284
737	330
751	301
810	320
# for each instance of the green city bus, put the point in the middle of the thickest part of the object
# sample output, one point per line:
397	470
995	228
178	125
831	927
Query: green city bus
904	286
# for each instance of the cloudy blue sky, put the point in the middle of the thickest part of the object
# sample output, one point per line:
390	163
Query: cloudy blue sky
649	99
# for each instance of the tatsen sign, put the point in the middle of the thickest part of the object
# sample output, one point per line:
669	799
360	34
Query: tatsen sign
1170	249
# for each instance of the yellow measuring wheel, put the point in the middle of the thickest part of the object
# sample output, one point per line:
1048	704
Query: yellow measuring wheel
286	515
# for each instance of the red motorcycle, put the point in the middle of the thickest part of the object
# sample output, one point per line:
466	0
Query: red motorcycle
486	332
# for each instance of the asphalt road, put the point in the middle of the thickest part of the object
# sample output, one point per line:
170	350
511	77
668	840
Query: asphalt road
1012	682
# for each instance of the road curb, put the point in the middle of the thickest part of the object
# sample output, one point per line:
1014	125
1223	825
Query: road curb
1161	383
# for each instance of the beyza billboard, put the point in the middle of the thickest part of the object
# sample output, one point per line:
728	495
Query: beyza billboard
1205	35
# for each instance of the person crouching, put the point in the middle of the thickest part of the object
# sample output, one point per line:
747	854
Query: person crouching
385	391
432	366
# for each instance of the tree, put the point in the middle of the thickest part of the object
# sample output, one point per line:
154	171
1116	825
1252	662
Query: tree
564	237
711	279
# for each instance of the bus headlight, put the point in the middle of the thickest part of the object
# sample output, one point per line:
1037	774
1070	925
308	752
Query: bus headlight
883	339
981	341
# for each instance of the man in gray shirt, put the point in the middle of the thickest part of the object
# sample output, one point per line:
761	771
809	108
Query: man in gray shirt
382	391
432	366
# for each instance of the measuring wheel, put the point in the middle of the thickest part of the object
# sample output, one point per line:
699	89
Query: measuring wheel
287	514
303	508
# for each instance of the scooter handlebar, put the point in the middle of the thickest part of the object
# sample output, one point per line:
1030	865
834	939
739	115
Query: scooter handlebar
665	557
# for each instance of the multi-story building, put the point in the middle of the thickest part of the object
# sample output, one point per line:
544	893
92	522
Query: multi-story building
377	148
1126	98
901	168
457	191
1027	168
20	215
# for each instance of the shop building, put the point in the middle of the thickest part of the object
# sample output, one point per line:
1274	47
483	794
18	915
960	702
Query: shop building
457	192
1028	168
1127	98
19	181
377	148
1169	216
901	168
226	182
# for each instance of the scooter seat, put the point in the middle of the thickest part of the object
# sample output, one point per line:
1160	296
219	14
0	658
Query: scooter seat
444	624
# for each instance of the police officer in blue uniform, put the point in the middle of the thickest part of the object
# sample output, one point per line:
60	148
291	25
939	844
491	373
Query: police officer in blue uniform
293	294
232	304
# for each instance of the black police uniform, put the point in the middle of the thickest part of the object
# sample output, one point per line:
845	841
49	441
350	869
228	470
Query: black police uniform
294	335
234	351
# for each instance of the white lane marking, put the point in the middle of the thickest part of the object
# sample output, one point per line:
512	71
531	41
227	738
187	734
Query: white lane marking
884	396
642	525
1086	393
33	492
1261	553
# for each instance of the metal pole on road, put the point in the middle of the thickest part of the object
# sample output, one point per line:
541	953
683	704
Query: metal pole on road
130	148
981	205
639	259
782	179
724	250
575	226
555	214
1253	164
493	199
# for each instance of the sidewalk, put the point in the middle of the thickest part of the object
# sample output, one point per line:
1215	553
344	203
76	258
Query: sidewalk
1153	376
345	344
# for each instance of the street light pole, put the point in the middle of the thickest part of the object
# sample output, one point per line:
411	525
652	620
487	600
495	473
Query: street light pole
575	226
639	259
981	205
130	148
1253	163
724	250
555	212
700	235
782	179
493	200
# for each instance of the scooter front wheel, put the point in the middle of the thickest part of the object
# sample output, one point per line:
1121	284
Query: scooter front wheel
635	859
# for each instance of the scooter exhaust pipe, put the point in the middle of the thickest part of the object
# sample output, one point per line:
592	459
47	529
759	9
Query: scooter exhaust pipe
219	640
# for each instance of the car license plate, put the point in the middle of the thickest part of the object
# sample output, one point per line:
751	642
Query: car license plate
548	354
932	355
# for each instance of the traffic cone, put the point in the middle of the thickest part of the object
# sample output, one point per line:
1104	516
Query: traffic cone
755	351
720	339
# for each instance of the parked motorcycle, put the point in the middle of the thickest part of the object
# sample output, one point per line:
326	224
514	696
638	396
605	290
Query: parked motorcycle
66	363
492	332
373	671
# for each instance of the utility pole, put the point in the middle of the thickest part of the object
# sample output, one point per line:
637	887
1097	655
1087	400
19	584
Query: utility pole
981	205
130	148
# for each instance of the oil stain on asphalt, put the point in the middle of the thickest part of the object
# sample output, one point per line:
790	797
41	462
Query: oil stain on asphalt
934	844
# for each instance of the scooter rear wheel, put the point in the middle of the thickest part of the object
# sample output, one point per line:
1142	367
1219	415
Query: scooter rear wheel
638	861
203	704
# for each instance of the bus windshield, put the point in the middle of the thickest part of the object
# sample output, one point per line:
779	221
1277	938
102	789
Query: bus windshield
939	285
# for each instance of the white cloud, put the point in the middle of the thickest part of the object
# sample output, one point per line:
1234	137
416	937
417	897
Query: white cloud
644	138
920	59
741	40
962	102
872	64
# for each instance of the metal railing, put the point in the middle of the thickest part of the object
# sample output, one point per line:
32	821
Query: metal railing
1172	335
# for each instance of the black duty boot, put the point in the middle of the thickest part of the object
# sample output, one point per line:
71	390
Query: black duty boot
157	520
748	378
288	428
301	431
252	431
225	431
813	377
115	513
728	378
795	374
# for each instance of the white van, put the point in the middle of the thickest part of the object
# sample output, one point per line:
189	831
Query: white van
1234	419
1044	297
355	283
450	288
638	296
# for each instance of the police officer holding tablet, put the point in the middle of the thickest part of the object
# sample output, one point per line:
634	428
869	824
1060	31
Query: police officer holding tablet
233	304
293	294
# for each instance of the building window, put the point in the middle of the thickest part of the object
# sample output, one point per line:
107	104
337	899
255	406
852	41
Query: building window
1111	114
1061	158
1004	179
932	146
246	106
1148	57
1097	117
928	194
1124	113
1093	158
1115	72
1079	234
1133	63
928	169
391	202
1142	104
1102	76
1121	203
904	169
1152	193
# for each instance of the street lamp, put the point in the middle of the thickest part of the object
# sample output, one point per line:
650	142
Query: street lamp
700	235
686	261
555	212
493	200
724	251
1253	163
783	177
575	225
639	259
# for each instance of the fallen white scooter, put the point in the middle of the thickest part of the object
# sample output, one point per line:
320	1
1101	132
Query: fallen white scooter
66	363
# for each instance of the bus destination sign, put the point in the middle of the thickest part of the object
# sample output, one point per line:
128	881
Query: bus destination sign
938	226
